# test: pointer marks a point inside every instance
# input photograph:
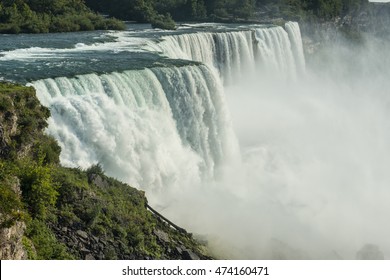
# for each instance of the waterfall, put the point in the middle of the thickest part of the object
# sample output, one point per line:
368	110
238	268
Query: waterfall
154	128
165	127
310	170
294	33
239	53
228	52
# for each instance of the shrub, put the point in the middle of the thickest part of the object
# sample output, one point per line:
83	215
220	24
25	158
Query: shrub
38	189
45	243
95	169
11	208
163	22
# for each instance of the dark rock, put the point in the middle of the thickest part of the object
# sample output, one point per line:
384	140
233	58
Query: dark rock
189	255
112	242
161	235
85	251
179	250
98	181
82	234
89	257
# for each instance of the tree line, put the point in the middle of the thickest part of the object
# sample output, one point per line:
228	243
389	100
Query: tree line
42	16
33	16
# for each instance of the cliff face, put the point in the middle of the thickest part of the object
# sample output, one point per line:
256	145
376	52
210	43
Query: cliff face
12	226
11	242
11	236
374	18
51	212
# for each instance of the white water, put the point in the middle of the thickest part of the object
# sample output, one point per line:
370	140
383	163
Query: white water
160	129
239	52
310	177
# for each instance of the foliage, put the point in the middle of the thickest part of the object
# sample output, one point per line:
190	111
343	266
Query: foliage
11	206
38	189
163	22
42	16
110	209
46	246
156	11
35	16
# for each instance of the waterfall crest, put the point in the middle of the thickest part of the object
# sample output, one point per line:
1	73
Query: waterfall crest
238	53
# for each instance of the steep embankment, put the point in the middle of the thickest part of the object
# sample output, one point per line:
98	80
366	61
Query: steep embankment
51	212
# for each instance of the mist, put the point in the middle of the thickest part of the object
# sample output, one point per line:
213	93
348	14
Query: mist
312	181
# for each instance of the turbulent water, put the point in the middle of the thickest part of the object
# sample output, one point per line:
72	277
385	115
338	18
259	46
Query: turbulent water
228	129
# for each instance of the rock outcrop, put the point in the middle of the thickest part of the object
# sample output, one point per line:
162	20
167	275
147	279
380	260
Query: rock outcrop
11	242
11	233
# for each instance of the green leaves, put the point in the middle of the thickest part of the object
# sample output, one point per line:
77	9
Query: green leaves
38	189
161	13
41	243
41	16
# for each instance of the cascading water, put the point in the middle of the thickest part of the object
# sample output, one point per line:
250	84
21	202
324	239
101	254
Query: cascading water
240	53
299	172
156	128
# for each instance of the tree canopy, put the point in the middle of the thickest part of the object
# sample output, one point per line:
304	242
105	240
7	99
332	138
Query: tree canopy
73	15
40	16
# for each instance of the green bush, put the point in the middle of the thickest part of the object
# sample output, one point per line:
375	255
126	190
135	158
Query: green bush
163	22
115	24
38	189
84	23
45	243
11	207
29	16
95	169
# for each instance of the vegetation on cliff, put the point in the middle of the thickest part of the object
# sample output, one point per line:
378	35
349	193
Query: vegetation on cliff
72	213
42	16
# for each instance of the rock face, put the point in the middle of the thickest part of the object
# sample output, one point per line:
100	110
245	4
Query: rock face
87	246
11	245
11	242
374	19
